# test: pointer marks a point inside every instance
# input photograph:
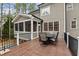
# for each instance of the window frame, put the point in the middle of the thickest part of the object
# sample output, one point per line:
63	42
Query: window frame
68	7
58	26
52	26
15	26
22	28
25	26
71	24
44	26
44	9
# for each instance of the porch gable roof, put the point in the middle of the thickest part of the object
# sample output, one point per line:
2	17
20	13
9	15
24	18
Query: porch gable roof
27	16
21	15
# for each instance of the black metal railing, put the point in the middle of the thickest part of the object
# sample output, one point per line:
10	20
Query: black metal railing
73	45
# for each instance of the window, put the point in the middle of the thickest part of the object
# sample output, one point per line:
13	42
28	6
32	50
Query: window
45	11
16	27
45	27
56	26
73	24
34	26
21	26
28	26
69	6
50	26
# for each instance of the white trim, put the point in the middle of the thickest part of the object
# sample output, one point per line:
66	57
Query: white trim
53	26
67	39
22	21
14	27
35	37
30	16
31	29
21	32
47	26
59	24
18	39
24	26
37	29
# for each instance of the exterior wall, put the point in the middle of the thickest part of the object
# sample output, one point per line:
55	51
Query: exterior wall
24	36
71	14
35	35
56	14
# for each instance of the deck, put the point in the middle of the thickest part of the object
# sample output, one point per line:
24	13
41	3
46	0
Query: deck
34	48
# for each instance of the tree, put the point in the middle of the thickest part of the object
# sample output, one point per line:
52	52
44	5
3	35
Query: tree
5	30
21	7
32	6
17	6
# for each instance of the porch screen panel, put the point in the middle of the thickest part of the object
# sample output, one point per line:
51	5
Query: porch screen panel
45	26
50	26
21	26
16	27
56	26
28	26
34	26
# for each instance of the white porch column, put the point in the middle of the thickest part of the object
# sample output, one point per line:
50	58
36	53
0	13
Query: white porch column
37	28
31	29
18	38
67	39
78	47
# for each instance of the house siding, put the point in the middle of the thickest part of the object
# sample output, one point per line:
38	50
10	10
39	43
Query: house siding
35	35
24	36
56	14
71	14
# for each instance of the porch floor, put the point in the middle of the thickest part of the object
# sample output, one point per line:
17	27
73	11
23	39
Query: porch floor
34	48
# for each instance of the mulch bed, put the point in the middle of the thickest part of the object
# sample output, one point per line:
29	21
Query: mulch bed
6	41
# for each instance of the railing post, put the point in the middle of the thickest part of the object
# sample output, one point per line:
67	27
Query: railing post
18	39
78	47
67	39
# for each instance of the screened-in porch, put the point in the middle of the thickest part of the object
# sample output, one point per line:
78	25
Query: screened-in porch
26	27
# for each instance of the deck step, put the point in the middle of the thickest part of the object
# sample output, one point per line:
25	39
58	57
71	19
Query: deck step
3	52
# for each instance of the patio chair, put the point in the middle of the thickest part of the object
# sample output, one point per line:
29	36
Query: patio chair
42	38
56	38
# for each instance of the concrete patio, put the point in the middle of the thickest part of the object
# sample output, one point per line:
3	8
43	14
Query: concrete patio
34	48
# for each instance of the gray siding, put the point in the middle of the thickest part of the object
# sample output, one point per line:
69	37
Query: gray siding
56	14
71	14
25	36
34	35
